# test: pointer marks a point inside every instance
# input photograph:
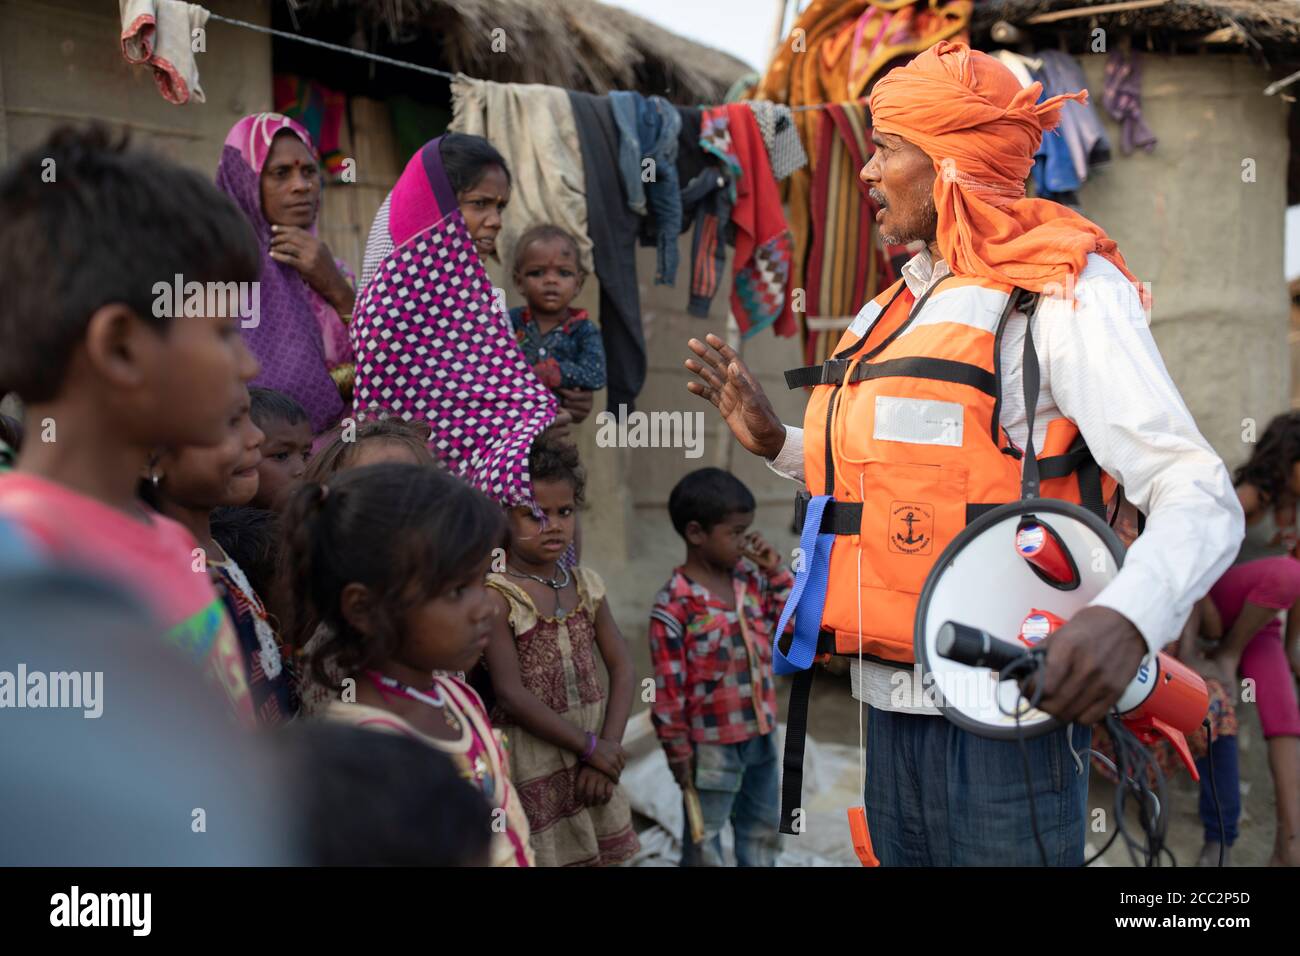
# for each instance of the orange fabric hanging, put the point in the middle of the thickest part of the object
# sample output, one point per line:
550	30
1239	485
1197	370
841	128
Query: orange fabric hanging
968	112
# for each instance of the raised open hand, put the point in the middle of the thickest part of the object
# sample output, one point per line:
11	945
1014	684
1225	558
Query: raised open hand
725	381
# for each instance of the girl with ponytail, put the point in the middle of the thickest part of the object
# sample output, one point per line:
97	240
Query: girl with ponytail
389	562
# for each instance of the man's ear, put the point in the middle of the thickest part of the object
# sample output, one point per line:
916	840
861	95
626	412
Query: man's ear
118	344
695	534
357	606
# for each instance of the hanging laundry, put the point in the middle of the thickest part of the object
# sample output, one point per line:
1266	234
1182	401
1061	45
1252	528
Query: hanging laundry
1054	173
159	33
1081	128
1055	177
847	264
846	44
613	231
648	130
320	110
1123	101
625	106
707	196
784	149
706	204
760	295
533	128
1020	65
843	47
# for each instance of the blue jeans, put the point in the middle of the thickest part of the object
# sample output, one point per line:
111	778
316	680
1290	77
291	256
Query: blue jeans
937	795
1227	783
736	782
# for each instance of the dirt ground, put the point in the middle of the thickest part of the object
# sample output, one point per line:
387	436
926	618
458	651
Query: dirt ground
833	718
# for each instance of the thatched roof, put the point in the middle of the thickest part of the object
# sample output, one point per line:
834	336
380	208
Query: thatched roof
1270	27
579	44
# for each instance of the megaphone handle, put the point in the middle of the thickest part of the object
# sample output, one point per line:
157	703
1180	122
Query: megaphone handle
1148	729
1178	740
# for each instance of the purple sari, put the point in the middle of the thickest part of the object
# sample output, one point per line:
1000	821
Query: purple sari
287	339
432	343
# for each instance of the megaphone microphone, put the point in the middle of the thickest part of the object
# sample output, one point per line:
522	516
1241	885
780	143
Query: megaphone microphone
1166	698
978	648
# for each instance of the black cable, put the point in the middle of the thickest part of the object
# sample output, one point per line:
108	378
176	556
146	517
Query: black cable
1114	832
1135	766
1025	666
1214	790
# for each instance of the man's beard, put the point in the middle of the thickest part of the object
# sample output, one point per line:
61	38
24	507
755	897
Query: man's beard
922	227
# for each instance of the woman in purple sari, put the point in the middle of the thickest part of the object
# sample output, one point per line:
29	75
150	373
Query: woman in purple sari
269	166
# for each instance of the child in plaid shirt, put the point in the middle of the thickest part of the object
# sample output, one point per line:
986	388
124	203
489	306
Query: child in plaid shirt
711	635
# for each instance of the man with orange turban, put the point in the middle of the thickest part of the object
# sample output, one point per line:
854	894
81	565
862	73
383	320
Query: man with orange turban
933	372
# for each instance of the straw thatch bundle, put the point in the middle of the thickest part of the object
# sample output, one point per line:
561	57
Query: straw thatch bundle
1268	26
579	44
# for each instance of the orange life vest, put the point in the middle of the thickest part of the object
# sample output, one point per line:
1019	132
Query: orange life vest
902	429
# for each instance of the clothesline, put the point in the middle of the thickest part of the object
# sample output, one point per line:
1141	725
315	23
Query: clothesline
404	64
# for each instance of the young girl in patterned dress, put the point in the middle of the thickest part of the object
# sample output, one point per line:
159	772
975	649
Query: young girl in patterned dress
553	625
391	559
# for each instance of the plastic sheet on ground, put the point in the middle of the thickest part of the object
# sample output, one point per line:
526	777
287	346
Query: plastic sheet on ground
830	787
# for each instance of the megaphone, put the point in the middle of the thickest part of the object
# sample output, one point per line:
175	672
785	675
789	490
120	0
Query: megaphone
1036	553
1024	569
1166	699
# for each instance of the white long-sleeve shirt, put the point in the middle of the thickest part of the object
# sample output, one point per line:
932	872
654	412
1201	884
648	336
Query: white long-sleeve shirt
1100	368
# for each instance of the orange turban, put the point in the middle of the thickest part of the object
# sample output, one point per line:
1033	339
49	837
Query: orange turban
969	114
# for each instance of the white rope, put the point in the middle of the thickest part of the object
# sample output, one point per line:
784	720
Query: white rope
862	751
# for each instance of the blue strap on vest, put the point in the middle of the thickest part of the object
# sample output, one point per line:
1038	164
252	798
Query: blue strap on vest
815	549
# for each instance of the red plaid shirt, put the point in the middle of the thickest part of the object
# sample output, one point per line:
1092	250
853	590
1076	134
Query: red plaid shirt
713	677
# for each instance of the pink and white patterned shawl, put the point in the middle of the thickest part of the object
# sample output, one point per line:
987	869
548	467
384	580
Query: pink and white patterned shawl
433	343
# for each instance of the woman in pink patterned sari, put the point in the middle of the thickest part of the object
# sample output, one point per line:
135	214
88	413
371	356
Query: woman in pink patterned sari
432	341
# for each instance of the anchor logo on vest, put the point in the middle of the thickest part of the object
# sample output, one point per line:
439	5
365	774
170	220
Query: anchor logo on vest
911	527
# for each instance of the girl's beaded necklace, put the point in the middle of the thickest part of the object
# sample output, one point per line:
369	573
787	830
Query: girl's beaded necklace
481	768
557	583
434	698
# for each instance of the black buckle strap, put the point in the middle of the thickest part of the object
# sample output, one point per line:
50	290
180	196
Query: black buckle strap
1029	480
1059	466
840	517
796	731
831	372
1078	461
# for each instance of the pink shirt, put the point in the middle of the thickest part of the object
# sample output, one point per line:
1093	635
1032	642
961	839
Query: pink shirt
152	559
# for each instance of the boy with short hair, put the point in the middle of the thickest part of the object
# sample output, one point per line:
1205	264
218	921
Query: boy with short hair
87	230
711	633
286	449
